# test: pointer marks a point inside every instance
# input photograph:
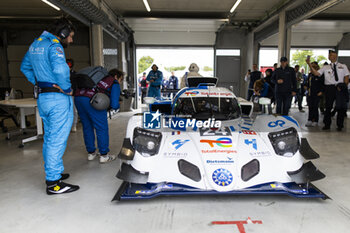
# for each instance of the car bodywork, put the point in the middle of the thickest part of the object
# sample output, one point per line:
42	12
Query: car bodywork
247	154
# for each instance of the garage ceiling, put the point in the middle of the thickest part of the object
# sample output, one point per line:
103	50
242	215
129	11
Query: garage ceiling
200	18
340	11
314	33
26	8
246	10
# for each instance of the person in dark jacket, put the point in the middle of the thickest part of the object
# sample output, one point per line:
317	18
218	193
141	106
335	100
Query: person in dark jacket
252	77
285	86
268	79
173	82
315	89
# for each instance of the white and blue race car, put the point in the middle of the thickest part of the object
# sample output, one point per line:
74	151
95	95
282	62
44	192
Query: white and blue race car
201	142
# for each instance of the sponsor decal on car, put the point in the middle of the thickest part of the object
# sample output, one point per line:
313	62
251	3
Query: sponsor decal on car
225	131
222	177
191	93
249	132
175	154
229	160
260	153
179	143
222	142
251	142
273	124
216	94
218	151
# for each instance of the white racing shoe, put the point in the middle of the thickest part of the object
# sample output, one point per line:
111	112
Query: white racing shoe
309	124
92	156
107	158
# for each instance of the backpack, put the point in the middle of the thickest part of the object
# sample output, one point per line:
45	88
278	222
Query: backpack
88	77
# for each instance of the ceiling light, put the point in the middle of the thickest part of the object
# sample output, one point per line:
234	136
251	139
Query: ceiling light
235	6
51	4
147	5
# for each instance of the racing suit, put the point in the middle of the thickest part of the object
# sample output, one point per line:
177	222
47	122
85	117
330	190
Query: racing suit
46	61
154	87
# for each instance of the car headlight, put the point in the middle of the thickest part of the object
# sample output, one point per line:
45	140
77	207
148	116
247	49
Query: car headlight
146	142
285	142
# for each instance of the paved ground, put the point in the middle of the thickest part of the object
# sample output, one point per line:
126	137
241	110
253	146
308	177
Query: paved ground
25	207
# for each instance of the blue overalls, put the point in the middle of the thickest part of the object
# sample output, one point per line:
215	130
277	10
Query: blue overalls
93	119
46	61
154	87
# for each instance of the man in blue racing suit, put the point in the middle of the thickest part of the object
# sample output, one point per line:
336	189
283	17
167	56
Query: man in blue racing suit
155	78
45	65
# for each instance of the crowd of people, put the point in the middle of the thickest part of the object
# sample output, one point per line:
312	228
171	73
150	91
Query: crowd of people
326	89
152	84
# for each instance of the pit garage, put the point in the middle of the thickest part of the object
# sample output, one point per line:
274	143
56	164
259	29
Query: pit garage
225	190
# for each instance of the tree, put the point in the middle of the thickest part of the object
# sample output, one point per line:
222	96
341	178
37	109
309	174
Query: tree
144	63
299	57
174	68
207	68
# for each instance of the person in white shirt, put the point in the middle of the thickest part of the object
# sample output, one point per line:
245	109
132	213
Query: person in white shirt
336	79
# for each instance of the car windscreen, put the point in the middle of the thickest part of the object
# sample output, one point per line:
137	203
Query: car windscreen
203	108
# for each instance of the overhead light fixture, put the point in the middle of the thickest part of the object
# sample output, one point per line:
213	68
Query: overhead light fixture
235	6
147	5
51	4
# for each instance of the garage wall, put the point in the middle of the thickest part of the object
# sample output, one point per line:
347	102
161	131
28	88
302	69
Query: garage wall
231	38
18	43
174	38
344	44
110	55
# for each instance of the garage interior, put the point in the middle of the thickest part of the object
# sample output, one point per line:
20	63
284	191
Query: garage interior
108	34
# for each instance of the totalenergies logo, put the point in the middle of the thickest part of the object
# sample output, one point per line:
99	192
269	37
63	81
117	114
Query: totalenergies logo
191	93
222	142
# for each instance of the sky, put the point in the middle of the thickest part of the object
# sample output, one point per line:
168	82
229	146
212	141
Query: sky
268	57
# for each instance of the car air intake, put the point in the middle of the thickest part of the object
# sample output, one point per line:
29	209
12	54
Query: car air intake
189	170
250	170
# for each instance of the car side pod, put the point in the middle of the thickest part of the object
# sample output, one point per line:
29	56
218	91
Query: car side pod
127	152
306	151
307	173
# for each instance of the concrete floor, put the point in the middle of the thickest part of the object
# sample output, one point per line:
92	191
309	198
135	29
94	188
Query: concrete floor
25	207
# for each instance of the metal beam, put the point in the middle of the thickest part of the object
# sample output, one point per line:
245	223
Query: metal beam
308	9
303	11
88	13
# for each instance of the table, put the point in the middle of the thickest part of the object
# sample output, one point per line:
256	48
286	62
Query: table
27	106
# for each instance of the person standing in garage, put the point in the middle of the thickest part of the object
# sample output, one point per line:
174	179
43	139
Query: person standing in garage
154	78
315	89
336	79
251	78
45	66
285	86
96	120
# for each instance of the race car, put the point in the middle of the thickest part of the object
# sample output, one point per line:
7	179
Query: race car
207	141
